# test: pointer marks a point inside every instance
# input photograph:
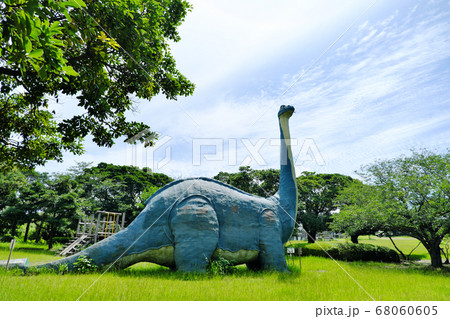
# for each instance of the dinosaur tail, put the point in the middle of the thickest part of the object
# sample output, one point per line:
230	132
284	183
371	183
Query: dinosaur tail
138	242
104	253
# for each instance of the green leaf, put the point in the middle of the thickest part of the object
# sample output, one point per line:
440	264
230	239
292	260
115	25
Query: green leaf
42	74
74	4
55	25
28	24
56	42
81	3
70	71
37	22
28	45
36	53
34	34
66	13
35	66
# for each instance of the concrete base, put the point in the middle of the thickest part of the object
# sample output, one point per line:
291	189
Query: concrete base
23	262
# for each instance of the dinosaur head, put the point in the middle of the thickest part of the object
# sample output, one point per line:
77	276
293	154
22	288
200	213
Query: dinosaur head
286	110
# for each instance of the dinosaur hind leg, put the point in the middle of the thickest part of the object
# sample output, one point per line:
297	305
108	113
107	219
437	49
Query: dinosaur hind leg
271	256
196	234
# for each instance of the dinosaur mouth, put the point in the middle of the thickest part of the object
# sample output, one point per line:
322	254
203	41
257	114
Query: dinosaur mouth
289	109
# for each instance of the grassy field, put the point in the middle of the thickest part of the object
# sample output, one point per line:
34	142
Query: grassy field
317	279
36	253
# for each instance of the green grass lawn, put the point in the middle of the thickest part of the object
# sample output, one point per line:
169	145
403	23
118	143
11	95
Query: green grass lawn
36	253
318	279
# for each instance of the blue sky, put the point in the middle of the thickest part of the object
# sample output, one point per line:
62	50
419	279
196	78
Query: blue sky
369	79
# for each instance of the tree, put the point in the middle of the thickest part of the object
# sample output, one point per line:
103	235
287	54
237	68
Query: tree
102	52
357	216
316	195
411	196
22	198
61	210
10	183
31	200
263	183
116	188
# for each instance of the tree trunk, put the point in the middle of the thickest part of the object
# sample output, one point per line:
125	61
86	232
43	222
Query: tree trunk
38	232
311	237
50	239
395	246
25	237
354	238
435	254
13	229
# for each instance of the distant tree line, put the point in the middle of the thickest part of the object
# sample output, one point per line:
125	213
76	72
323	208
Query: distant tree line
49	205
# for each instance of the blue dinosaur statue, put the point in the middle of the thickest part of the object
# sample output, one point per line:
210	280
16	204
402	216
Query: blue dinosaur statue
188	221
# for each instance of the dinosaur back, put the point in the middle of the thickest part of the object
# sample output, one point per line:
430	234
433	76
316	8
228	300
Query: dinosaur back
238	212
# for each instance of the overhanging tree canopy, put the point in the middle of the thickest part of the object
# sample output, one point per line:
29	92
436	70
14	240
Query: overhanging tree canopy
102	52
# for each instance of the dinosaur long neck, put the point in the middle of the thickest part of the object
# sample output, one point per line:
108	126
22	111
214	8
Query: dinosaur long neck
288	185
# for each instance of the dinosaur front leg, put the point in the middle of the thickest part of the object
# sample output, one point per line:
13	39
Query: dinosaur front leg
271	256
196	234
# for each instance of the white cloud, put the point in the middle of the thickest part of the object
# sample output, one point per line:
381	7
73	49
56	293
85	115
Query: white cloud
220	38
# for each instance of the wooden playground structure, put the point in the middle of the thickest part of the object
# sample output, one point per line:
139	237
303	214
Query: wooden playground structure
94	228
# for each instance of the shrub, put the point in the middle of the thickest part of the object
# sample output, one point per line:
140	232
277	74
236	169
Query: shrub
84	264
220	266
62	269
34	271
351	252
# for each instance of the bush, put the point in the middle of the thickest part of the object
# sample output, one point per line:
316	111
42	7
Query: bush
220	266
62	269
84	264
351	252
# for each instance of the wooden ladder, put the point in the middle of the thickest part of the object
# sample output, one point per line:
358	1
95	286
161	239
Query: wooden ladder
83	239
